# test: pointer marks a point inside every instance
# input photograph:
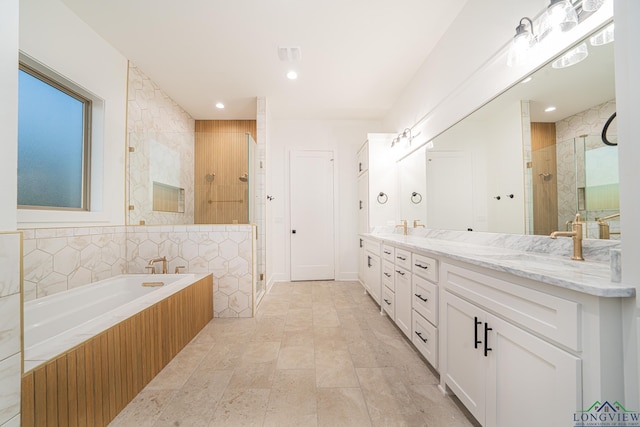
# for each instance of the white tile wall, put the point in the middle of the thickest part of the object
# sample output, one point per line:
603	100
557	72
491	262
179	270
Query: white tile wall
161	132
10	353
59	259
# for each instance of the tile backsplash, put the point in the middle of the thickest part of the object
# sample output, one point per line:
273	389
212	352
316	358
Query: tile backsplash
59	259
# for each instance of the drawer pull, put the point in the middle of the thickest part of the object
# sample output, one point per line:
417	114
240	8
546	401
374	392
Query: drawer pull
419	334
486	339
387	274
387	252
475	333
400	272
401	258
425	267
387	301
423	299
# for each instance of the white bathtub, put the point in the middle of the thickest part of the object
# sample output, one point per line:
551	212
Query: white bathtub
58	322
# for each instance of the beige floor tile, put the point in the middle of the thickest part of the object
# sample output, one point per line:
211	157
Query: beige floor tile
386	396
293	400
339	407
253	375
195	404
438	409
241	407
334	368
144	409
299	338
299	357
223	356
261	352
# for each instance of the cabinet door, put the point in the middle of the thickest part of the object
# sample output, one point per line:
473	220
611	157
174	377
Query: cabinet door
363	203
530	382
372	278
464	364
403	300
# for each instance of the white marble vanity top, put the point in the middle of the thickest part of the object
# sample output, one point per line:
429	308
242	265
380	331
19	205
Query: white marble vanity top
590	277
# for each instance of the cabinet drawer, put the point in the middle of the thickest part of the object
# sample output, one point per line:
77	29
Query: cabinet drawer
425	298
372	246
425	267
388	302
403	259
425	337
553	317
388	274
388	253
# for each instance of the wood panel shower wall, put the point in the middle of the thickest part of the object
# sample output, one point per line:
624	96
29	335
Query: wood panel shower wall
91	383
544	176
221	149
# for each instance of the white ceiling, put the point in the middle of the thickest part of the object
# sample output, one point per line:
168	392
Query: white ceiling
357	55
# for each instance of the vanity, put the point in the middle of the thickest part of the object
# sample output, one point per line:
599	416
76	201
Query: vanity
520	337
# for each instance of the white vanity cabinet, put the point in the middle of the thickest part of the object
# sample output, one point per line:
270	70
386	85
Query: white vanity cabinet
371	268
424	306
377	200
501	372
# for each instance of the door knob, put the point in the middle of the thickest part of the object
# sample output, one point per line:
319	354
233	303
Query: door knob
293	231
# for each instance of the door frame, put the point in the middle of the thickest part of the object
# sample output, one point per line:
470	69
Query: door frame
287	207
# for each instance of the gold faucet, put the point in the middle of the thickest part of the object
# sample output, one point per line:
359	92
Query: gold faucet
576	234
416	223
151	265
603	226
404	226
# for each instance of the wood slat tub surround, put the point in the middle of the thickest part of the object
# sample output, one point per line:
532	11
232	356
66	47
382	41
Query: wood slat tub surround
91	383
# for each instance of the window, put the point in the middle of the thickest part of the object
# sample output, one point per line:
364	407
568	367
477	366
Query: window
54	123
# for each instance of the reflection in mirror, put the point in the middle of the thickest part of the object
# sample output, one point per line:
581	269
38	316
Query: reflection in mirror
518	166
412	180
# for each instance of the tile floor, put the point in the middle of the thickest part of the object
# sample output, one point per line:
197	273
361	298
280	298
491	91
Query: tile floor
316	354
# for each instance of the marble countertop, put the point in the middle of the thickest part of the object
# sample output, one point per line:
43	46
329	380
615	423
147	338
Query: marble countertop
590	277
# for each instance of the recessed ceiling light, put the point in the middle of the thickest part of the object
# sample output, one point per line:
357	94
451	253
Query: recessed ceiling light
292	75
219	105
549	109
527	80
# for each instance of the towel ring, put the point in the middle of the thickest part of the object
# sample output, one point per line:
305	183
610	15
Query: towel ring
416	198
382	198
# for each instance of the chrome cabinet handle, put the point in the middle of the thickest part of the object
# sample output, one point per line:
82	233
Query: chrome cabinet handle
419	334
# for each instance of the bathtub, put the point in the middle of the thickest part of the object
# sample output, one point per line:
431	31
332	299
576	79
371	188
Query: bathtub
104	342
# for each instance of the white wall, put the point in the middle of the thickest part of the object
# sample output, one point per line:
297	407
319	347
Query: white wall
344	138
8	113
52	35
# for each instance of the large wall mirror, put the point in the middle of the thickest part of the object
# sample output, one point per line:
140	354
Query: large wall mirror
530	159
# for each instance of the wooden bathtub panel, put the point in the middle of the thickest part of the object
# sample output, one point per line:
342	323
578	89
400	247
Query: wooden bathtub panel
90	384
62	392
28	400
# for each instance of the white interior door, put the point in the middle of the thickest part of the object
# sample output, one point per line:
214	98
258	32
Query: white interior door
312	228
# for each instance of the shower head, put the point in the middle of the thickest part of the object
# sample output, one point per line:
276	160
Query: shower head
244	178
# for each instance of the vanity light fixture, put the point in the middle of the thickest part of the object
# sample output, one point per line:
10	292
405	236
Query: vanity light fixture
572	57
401	137
521	44
592	5
550	109
603	37
219	105
560	16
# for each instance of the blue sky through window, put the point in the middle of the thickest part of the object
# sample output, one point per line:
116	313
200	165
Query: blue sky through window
50	145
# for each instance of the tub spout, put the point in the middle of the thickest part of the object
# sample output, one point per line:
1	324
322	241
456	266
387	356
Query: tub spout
154	260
